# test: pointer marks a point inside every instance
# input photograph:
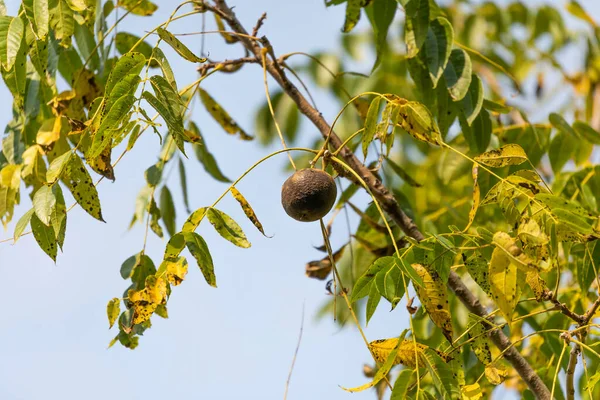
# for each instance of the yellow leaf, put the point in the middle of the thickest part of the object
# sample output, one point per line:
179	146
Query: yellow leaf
508	245
476	197
503	281
537	285
418	121
471	392
510	154
495	375
175	269
382	349
247	209
434	298
146	301
113	309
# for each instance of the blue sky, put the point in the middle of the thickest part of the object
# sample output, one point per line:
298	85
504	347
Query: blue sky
236	341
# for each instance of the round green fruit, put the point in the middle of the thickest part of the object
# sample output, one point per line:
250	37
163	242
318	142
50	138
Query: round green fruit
308	195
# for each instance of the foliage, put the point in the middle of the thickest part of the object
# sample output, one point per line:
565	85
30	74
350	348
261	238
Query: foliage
504	191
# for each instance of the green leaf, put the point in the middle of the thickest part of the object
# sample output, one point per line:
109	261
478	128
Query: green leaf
443	377
370	124
408	270
478	268
155	216
43	203
11	36
80	184
227	227
479	133
58	217
471	104
562	148
161	59
416	26
128	64
458	74
179	47
167	210
373	302
587	132
184	187
381	15
198	248
113	309
194	220
175	246
352	14
44	236
61	21
124	42
86	44
417	120
221	116
437	47
138	7
496	107
2	8
57	166
112	123
153	174
559	123
206	158
362	285
400	389
402	174
22	224
578	11
510	154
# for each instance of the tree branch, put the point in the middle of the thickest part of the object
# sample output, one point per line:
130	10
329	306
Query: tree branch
571	372
384	197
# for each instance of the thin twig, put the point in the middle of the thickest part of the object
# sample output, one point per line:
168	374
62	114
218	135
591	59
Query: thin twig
571	372
259	24
287	383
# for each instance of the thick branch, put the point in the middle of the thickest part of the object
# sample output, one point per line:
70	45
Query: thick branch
385	198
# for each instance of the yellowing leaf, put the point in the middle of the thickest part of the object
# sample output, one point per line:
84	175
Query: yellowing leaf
221	116
510	154
113	309
179	47
476	197
247	209
495	375
509	246
471	392
434	298
537	284
478	332
418	121
370	124
227	228
477	267
194	220
174	269
353	13
405	355
138	7
503	281
79	182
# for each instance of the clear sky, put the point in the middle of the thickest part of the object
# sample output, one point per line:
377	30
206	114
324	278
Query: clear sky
236	341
